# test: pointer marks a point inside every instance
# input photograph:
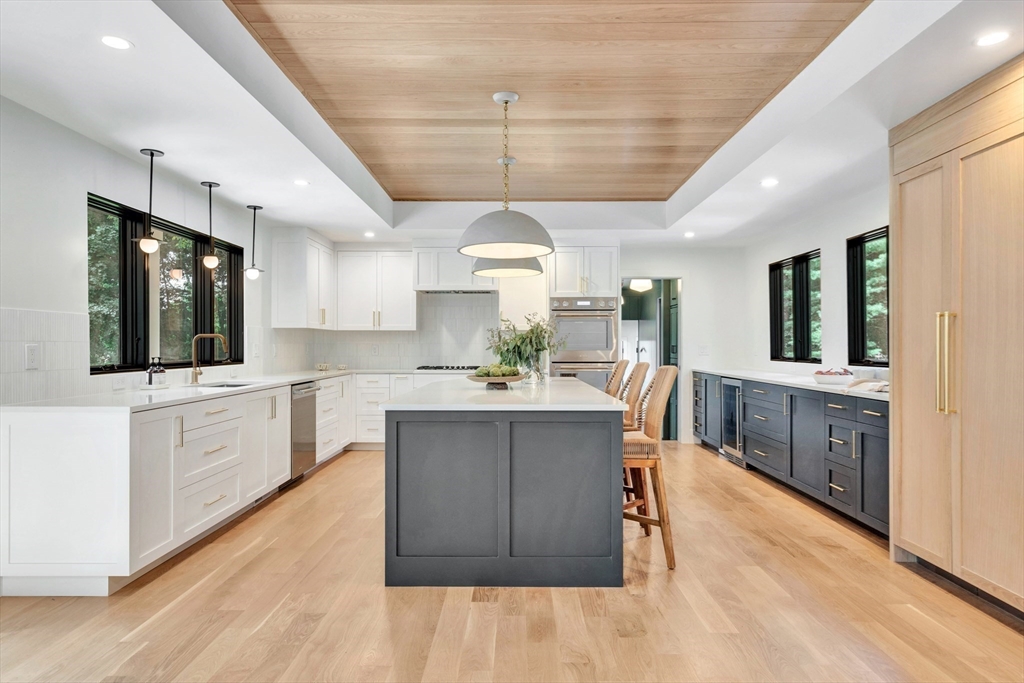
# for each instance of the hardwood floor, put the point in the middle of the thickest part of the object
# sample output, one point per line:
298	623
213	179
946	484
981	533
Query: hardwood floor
767	588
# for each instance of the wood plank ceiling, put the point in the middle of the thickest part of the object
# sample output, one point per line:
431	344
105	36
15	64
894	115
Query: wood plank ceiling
620	100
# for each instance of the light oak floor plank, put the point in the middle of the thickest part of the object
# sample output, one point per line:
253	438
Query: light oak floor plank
769	587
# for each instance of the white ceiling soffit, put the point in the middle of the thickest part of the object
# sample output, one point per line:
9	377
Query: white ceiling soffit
843	151
168	93
881	29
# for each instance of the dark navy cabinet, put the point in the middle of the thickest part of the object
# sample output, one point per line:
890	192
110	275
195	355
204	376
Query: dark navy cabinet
831	447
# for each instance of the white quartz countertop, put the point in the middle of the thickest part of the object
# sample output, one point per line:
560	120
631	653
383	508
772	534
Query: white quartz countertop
796	381
138	400
555	394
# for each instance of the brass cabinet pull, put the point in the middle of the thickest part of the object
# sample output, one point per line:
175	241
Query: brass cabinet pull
373	402
854	442
837	487
939	408
373	381
217	410
695	398
373	429
759	417
761	453
785	400
836	405
181	430
717	383
945	358
328	441
838	441
327	410
697	425
872	412
218	498
214	450
760	391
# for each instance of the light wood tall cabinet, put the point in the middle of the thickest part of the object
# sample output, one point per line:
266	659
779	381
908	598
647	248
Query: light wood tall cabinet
957	245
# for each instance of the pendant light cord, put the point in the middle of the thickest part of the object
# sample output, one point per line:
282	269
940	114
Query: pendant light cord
254	237
504	156
213	250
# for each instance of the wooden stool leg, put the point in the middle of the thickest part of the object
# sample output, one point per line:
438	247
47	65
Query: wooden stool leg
640	484
662	501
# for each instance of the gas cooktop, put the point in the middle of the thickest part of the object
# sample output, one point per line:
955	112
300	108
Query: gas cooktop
449	368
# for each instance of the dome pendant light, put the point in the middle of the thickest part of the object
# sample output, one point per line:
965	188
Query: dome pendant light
507	267
210	259
149	243
505	234
252	272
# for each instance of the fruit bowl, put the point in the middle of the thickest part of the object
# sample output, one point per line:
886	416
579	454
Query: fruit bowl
496	382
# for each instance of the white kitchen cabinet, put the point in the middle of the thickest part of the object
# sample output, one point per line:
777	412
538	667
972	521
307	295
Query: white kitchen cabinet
445	269
279	438
584	271
266	443
154	436
401	384
376	290
303	284
346	411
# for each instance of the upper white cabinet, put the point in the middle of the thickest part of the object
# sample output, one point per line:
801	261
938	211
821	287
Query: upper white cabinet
303	284
586	271
444	268
376	290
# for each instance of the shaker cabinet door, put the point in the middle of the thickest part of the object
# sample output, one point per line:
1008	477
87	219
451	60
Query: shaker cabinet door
357	290
872	460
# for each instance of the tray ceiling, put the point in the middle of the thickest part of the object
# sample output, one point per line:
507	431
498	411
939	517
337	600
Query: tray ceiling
618	100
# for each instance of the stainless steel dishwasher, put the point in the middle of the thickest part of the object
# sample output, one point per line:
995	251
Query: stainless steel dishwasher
303	427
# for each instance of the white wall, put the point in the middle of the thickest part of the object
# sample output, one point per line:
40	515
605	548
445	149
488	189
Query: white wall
713	283
46	171
826	229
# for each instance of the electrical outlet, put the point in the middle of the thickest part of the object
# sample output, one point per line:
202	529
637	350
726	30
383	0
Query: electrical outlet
119	382
374	350
703	350
273	350
255	350
31	356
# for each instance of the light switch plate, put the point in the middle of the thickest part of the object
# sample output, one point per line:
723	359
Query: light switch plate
31	356
255	350
374	350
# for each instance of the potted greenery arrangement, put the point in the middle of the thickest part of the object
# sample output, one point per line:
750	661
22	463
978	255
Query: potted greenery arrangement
525	348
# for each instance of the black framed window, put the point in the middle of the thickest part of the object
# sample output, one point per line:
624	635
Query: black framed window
867	297
117	288
175	297
794	289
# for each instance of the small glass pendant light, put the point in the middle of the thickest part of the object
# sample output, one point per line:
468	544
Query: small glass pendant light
210	259
252	272
150	243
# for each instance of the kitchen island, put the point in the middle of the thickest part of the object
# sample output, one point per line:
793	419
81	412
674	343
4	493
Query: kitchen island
503	488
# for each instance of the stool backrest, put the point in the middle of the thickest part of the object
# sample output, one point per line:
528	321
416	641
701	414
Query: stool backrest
657	400
615	379
631	390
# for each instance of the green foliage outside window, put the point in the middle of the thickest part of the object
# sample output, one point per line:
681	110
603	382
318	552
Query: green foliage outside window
876	298
104	287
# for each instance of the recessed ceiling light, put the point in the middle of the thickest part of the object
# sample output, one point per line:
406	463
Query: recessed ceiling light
302	183
992	38
367	234
688	234
116	43
769	182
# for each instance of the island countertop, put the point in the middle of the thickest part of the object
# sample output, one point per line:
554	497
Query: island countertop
555	394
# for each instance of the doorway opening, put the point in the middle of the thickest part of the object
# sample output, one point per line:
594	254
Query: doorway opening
650	333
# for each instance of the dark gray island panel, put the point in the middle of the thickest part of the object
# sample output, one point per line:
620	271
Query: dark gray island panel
503	498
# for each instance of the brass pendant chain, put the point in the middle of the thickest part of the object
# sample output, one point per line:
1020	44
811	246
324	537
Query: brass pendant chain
504	156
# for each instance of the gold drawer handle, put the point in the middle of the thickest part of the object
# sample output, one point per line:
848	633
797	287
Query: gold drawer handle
328	441
214	450
327	410
762	418
836	405
373	429
696	398
373	381
217	410
872	413
837	487
217	499
761	453
760	391
838	441
374	402
697	425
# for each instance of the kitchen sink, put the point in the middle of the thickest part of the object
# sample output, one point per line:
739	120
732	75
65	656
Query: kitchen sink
229	385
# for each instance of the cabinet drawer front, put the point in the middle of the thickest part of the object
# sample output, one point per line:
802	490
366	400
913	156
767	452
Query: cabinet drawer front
326	441
373	380
873	412
208	501
698	426
839	440
213	411
207	451
328	386
838	405
326	412
840	487
764	453
370	429
766	421
772	393
368	400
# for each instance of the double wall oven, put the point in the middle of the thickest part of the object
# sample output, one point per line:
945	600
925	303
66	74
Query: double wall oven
590	328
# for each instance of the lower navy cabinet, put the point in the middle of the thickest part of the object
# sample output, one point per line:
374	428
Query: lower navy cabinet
806	413
873	476
713	410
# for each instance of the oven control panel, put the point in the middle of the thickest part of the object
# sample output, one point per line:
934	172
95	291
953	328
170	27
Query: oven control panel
588	304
